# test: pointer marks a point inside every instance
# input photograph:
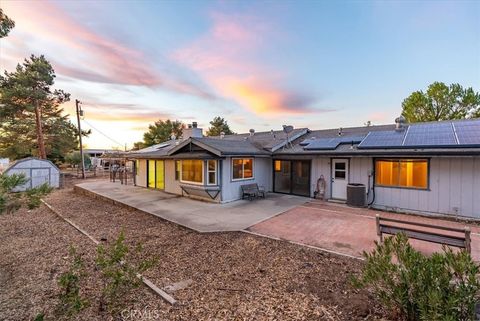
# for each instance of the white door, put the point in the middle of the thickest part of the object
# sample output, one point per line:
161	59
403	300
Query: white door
339	178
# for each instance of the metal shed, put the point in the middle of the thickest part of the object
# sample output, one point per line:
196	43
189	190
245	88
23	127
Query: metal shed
38	171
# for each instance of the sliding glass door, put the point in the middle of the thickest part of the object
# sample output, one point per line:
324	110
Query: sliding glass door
292	177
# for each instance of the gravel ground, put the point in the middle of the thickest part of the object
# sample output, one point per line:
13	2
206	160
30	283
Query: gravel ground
236	276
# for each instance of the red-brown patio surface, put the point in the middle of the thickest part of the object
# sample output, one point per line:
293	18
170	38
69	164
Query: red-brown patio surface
346	230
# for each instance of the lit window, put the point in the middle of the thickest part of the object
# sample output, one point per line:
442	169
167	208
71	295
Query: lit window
411	173
278	166
192	171
212	172
242	168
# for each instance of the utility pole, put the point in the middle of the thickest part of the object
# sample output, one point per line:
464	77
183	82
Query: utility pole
80	113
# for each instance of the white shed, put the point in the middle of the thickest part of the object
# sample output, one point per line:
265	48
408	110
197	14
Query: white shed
38	171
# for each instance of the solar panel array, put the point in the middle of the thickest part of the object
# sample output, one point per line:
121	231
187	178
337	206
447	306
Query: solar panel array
430	135
426	135
381	139
330	143
468	132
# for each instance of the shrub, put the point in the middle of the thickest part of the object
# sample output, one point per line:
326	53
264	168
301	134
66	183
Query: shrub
11	201
33	195
119	274
443	286
69	282
75	158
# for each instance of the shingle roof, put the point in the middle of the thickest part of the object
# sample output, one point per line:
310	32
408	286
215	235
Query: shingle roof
243	146
265	140
331	133
274	143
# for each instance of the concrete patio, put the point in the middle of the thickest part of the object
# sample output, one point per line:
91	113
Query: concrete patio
346	230
196	215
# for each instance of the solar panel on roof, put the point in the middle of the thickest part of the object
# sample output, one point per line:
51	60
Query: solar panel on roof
383	139
432	134
330	143
468	132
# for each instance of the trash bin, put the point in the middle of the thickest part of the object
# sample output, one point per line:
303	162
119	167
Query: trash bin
356	195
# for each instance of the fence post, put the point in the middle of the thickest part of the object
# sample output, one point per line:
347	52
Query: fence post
468	242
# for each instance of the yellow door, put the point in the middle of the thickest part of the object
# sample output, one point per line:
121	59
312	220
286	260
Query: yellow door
151	173
160	175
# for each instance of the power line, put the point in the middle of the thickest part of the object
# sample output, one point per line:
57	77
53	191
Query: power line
105	135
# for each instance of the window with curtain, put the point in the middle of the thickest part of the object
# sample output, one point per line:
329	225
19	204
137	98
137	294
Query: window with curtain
192	171
409	173
242	168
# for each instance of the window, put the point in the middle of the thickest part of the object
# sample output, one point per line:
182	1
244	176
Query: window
410	173
192	171
340	171
242	168
177	170
212	172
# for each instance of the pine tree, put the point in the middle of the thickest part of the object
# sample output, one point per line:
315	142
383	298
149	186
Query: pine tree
31	120
219	125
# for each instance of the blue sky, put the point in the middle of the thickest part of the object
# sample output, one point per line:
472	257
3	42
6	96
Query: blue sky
259	64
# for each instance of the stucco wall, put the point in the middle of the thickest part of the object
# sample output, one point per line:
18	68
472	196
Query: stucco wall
262	176
141	177
171	185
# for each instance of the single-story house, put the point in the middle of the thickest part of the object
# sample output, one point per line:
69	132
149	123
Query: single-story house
424	167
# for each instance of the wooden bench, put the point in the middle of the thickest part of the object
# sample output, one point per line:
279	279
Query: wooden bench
390	226
252	191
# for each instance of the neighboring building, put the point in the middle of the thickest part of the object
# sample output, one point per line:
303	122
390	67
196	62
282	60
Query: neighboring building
425	167
96	154
38	171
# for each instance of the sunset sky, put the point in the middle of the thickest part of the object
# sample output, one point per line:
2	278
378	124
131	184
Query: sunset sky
259	64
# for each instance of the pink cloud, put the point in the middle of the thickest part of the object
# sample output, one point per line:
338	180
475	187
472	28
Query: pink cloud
226	59
78	52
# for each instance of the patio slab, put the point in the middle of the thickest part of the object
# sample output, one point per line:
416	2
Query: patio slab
346	230
196	215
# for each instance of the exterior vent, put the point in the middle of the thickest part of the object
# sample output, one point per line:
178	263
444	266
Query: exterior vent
222	135
400	123
252	132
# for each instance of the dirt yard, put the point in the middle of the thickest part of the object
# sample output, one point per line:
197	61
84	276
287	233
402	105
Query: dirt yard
236	276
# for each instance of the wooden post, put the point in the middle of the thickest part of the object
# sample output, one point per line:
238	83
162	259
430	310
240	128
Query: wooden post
468	241
79	113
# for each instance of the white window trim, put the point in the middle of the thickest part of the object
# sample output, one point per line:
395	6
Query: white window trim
190	182
214	171
243	169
